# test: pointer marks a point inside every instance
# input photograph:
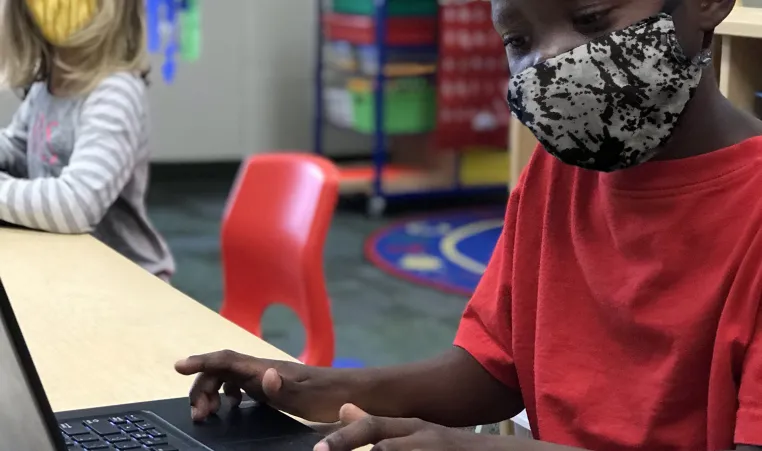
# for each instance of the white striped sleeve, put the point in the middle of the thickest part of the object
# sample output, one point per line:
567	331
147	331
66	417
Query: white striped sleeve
107	146
13	140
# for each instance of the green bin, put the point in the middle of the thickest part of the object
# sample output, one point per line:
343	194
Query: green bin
410	106
396	8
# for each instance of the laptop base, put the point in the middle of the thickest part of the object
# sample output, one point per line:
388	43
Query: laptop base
252	426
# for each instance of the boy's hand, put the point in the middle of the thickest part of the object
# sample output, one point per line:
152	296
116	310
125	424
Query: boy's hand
311	393
405	434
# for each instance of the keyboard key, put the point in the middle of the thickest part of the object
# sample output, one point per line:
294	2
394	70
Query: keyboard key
117	438
67	440
73	429
127	445
96	445
128	427
140	435
154	442
117	420
102	427
86	438
164	448
134	418
155	433
145	426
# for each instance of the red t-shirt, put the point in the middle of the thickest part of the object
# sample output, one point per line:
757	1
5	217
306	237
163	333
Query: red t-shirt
626	306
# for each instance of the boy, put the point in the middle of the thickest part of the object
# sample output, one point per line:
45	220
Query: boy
622	303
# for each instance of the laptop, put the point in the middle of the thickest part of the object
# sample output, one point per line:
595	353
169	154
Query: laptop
27	422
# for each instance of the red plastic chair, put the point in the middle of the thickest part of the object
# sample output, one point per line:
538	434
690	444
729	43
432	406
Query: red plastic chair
273	234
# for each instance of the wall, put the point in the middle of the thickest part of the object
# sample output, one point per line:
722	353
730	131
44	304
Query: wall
252	91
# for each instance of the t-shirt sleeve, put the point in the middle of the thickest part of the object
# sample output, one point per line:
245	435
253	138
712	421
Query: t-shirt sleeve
749	415
485	328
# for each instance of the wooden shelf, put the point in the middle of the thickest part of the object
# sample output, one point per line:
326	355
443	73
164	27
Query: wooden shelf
743	21
739	41
395	180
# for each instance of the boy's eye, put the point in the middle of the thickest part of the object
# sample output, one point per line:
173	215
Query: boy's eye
515	42
592	21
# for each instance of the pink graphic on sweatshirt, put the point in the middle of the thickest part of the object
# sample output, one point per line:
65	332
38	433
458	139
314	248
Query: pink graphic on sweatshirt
42	139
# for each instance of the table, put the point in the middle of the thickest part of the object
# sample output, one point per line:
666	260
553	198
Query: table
100	329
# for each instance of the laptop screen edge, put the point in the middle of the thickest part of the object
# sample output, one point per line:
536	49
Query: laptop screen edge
30	371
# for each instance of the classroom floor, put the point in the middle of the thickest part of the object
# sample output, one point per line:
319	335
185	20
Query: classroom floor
378	319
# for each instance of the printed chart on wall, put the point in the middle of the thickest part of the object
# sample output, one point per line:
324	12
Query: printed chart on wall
473	78
174	31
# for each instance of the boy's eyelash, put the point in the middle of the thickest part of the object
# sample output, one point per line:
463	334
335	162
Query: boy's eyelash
510	41
591	18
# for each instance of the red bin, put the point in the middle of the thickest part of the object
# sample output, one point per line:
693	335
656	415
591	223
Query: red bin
361	30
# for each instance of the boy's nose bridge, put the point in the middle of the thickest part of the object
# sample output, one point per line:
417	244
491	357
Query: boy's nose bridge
558	44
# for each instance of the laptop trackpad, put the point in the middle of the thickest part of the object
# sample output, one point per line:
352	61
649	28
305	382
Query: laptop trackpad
254	426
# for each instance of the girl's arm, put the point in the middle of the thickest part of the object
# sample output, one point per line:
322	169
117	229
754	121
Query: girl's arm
107	147
13	141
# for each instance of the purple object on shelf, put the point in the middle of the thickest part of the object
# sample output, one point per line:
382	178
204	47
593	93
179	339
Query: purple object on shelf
153	21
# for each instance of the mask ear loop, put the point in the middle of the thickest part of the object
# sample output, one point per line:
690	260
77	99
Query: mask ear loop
702	59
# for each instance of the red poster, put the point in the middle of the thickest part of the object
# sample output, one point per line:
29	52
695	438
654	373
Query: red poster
472	79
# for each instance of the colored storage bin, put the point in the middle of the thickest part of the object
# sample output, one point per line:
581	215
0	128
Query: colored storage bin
413	58
401	31
339	106
400	62
484	167
409	105
395	7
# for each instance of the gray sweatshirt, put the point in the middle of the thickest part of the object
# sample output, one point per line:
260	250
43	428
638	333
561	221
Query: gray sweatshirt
80	165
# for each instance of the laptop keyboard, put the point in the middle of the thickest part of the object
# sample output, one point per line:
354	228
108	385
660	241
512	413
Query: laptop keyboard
129	432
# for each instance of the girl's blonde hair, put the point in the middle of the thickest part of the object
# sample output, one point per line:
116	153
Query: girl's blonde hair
114	41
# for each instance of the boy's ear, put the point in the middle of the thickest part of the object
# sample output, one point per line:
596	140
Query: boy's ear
713	12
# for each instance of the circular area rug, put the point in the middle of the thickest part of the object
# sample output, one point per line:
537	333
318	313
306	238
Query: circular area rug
448	251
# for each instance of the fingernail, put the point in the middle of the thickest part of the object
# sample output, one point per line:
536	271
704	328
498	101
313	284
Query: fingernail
322	446
194	412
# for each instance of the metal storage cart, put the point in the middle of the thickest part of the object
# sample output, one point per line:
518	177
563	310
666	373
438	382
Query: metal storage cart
385	98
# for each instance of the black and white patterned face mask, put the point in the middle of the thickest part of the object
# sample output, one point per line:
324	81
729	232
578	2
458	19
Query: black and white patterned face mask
611	103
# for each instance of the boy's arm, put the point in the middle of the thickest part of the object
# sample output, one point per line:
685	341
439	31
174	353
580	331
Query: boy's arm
103	160
480	384
475	383
453	390
13	141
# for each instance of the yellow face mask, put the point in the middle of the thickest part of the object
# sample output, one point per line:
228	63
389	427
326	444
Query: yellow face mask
58	20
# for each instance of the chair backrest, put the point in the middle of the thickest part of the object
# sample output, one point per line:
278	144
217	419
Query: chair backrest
273	233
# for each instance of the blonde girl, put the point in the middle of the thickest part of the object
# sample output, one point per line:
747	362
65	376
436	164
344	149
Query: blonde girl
75	157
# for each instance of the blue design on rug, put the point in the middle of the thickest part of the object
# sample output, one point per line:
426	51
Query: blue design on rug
448	251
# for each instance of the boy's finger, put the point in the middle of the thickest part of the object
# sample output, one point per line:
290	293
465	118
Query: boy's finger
349	413
203	406
203	386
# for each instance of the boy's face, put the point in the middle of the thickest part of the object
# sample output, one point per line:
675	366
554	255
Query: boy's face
536	30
